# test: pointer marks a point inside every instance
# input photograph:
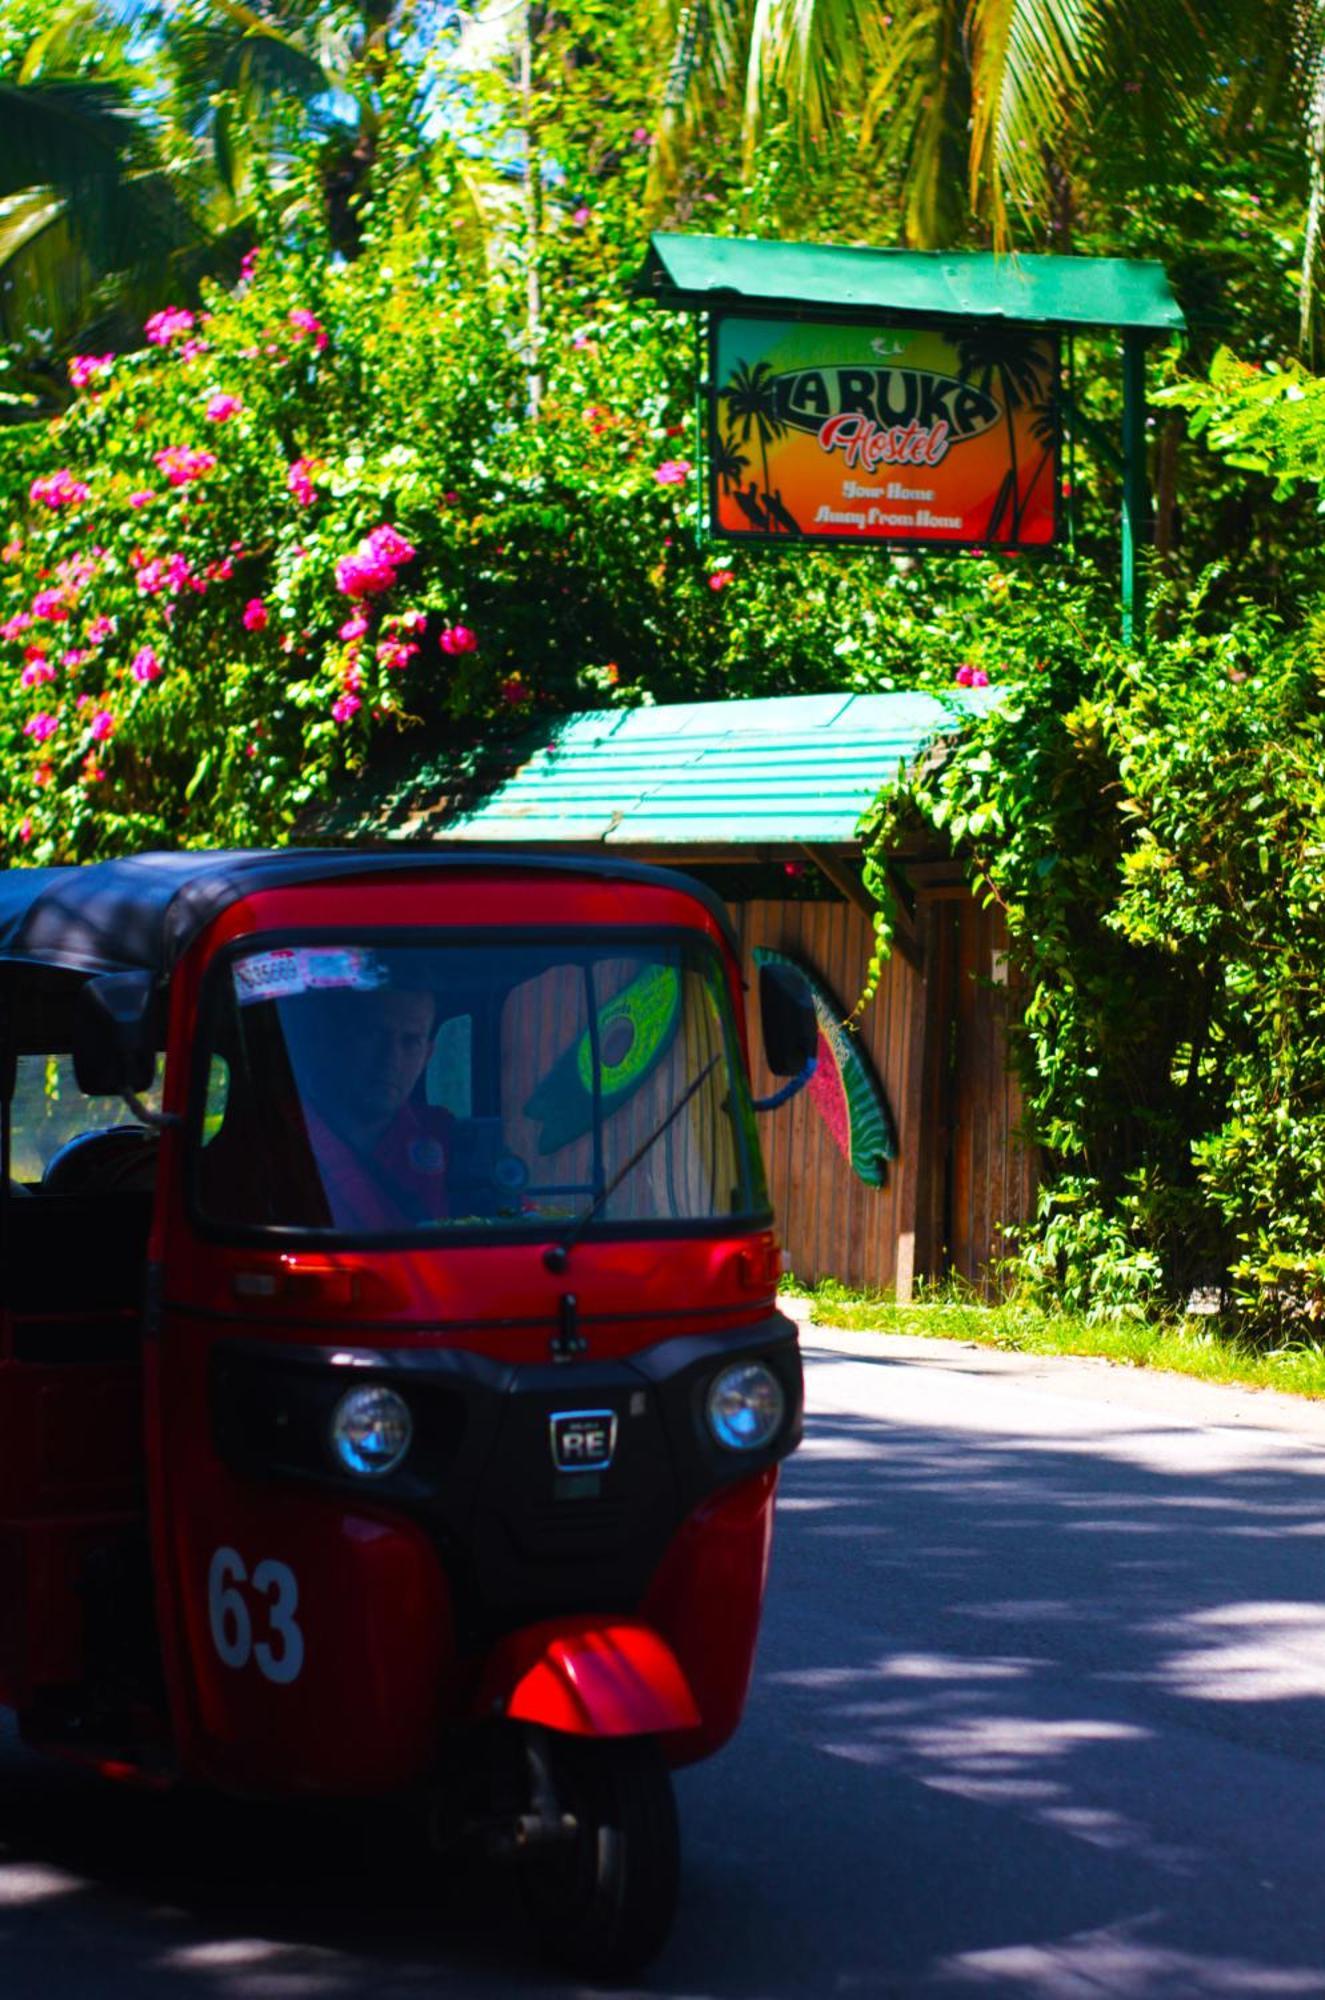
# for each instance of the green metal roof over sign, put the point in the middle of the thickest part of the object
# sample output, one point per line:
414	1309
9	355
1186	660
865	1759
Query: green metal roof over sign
797	769
707	273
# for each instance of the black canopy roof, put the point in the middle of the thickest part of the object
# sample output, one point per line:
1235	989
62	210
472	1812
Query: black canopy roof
141	913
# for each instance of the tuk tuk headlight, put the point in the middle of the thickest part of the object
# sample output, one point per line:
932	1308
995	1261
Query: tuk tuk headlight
745	1406
371	1430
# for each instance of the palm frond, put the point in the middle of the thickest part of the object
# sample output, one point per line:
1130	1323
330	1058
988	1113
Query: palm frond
820	53
1032	64
1310	40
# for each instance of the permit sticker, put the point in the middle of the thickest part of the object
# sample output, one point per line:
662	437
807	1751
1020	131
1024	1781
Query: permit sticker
279	975
268	975
325	967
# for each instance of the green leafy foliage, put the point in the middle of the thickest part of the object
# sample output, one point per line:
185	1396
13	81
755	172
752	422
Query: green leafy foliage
1154	830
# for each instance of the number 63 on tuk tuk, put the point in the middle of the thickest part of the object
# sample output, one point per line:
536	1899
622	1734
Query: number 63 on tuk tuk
392	1390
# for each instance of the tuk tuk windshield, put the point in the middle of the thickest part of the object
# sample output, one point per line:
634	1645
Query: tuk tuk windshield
386	1089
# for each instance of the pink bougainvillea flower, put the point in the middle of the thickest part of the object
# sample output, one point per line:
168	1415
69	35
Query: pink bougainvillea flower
85	368
182	464
13	626
51	604
970	676
74	656
362	575
304	321
673	472
642	136
413	621
221	408
354	628
41	726
37	672
581	216
299	480
59	489
458	639
396	654
163	326
371	567
100	630
146	666
248	264
390	547
25	827
721	578
189	350
346	706
255	615
142	498
102	725
79	569
171	573
12	550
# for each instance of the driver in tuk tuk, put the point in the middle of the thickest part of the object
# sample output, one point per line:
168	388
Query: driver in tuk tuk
381	1151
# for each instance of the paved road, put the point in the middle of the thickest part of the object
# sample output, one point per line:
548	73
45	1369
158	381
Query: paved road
1040	1711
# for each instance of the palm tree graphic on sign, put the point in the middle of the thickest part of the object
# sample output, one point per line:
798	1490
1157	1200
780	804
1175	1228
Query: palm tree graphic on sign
729	462
1019	362
1047	431
751	399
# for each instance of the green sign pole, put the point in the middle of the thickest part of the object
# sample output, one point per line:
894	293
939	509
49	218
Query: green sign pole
1134	485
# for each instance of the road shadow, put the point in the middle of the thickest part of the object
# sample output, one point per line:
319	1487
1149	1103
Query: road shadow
1034	1715
1068	1697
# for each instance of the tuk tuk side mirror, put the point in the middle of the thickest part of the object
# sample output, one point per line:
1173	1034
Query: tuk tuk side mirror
115	1034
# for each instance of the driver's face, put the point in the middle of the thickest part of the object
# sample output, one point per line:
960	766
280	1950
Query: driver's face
368	1050
390	1052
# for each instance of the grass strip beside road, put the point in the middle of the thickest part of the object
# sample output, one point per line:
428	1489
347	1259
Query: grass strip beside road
1196	1345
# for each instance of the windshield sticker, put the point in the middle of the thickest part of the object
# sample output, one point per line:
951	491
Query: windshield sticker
268	975
279	975
360	970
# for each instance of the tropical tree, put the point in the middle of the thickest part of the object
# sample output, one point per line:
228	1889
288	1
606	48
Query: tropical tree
987	114
94	213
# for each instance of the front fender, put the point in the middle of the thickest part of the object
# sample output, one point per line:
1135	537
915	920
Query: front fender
588	1677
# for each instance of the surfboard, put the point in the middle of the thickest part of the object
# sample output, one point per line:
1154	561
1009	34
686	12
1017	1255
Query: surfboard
844	1089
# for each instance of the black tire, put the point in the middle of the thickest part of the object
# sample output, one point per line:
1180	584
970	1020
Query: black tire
602	1903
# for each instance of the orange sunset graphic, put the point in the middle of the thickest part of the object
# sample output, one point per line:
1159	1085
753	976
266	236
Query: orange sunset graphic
889	434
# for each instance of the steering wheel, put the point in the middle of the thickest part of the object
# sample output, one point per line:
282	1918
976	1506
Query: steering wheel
113	1159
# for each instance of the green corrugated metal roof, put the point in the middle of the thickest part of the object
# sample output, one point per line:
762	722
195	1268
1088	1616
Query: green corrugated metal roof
697	273
800	768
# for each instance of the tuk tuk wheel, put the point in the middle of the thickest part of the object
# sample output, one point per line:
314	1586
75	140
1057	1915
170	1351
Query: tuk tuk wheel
602	1901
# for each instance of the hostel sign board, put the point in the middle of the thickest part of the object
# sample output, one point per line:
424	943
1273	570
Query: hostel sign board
921	435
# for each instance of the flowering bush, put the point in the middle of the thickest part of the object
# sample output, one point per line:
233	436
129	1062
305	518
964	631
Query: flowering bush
318	511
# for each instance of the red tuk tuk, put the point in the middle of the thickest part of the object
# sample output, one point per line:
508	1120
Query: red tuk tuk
392	1402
